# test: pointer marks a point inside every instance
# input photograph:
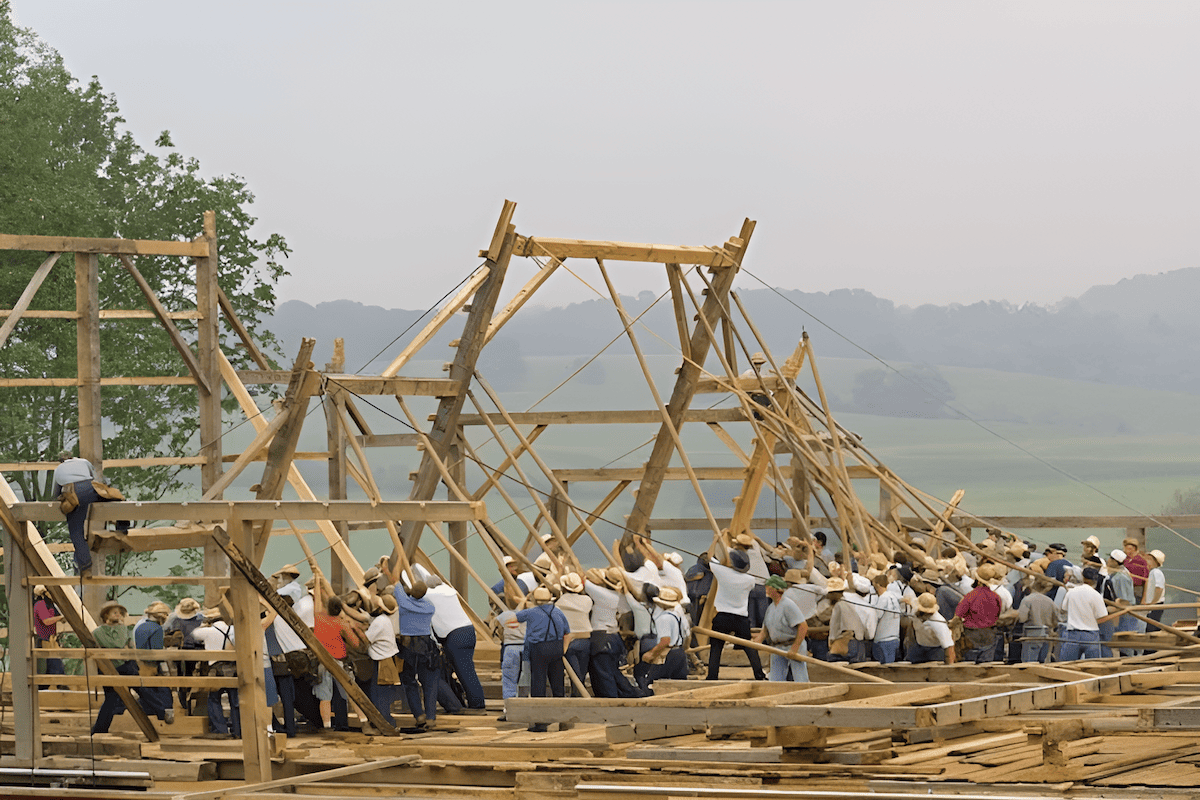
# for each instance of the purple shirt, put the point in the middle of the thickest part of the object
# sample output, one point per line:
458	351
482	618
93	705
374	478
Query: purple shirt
42	611
979	609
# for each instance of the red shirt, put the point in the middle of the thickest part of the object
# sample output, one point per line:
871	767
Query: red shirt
979	609
1138	568
329	633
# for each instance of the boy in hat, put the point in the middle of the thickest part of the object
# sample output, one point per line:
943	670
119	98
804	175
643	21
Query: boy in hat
112	633
886	644
932	640
1040	617
545	627
667	658
1156	584
845	624
178	633
734	584
45	628
787	627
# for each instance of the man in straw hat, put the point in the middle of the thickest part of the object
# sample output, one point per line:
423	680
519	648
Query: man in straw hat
1091	552
576	606
787	627
178	633
847	634
734	583
667	658
979	611
287	583
607	589
148	635
932	640
1156	584
1040	617
545	627
112	633
214	634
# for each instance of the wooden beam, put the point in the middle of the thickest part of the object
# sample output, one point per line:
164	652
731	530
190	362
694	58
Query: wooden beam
76	244
250	454
258	510
189	358
14	316
675	279
434	325
87	344
147	380
235	322
521	298
606	417
623	251
388	440
685	385
423	387
470	344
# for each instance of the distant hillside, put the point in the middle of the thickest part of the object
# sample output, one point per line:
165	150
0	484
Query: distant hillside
1139	332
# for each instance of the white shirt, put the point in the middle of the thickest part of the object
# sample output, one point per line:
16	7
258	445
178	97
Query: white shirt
1155	581
288	639
1083	606
576	607
671	575
604	607
889	609
733	589
304	610
933	632
1005	597
213	637
805	597
865	611
382	640
669	623
758	564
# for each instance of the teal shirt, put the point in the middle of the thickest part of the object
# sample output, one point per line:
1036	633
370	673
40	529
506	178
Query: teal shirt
113	637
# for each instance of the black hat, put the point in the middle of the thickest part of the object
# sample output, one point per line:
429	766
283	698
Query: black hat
906	572
1090	574
739	561
1059	546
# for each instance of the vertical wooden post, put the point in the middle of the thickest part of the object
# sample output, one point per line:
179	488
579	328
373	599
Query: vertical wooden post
800	493
248	643
334	405
208	342
459	578
87	343
22	660
889	508
470	344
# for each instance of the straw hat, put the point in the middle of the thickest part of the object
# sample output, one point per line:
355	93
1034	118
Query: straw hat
674	558
927	604
835	585
288	569
594	575
1094	541
39	591
158	608
613	578
668	597
111	604
1159	556
758	358
744	539
187	608
1132	541
213	614
572	582
386	603
541	595
794	576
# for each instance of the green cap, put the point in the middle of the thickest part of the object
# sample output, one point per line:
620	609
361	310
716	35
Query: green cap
776	582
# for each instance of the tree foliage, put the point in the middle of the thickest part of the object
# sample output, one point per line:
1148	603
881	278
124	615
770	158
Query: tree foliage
70	169
916	392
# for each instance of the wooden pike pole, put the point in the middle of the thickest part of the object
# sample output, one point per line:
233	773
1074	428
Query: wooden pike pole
786	654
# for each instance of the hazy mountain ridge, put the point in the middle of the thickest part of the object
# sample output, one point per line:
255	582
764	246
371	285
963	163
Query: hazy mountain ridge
1140	331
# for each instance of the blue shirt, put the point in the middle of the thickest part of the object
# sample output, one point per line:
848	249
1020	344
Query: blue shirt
416	616
543	624
148	635
1057	570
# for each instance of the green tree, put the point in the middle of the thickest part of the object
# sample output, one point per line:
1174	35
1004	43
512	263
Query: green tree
69	169
916	392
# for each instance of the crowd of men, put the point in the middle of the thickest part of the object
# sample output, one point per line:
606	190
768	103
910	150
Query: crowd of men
566	628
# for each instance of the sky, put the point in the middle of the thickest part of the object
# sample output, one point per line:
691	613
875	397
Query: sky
928	152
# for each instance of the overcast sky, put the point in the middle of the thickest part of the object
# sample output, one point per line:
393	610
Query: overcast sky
926	152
